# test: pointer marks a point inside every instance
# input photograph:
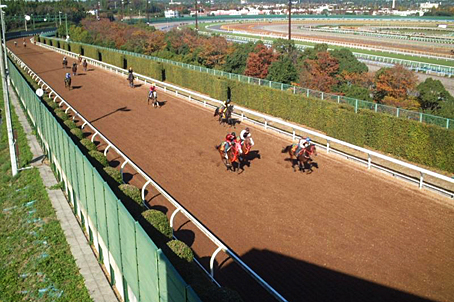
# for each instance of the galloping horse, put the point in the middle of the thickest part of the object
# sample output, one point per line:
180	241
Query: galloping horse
246	146
65	64
304	158
225	114
131	80
232	156
153	96
68	83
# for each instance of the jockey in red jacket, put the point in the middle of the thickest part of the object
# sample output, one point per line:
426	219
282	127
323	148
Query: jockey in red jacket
229	142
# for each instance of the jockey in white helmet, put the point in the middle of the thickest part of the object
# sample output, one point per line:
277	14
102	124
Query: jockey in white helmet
302	144
246	134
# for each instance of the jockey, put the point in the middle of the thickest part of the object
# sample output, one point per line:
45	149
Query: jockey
302	144
229	142
224	106
68	75
130	70
246	134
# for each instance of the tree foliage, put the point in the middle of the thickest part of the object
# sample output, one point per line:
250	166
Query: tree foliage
259	61
394	85
282	71
432	94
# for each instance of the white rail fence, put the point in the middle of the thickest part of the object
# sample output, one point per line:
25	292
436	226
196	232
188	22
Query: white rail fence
276	124
149	181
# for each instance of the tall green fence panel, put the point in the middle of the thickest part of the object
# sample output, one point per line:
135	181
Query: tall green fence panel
112	224
191	296
171	286
99	185
80	171
128	248
148	266
91	204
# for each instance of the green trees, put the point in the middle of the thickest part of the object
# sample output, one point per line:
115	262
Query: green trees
236	61
432	94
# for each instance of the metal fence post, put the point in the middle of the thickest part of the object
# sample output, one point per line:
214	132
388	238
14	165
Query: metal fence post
356	106
397	112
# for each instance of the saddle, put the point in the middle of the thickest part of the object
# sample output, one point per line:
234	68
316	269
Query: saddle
294	147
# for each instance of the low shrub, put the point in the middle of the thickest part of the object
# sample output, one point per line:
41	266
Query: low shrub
114	173
132	192
70	124
159	221
59	110
53	105
88	144
99	156
181	249
63	116
78	133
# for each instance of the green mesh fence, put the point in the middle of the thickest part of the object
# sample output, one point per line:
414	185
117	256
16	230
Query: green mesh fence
147	263
145	269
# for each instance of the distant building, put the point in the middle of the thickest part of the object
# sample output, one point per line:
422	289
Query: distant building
171	14
428	5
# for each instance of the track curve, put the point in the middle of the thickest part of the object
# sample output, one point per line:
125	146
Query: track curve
339	234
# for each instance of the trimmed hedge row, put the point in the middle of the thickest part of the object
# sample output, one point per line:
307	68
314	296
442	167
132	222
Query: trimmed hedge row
416	142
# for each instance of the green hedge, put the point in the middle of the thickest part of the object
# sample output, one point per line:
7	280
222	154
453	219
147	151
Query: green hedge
413	141
181	249
88	144
99	156
132	192
78	133
70	124
63	116
114	174
159	221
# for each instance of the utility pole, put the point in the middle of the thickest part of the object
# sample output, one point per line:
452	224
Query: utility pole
4	72
148	11
196	13
59	17
66	22
290	19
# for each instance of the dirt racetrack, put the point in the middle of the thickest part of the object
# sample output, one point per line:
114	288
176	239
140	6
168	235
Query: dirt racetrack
299	30
341	233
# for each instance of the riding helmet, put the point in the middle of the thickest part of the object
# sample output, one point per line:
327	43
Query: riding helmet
308	139
247	129
234	134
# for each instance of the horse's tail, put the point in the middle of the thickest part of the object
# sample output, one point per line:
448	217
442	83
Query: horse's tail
286	149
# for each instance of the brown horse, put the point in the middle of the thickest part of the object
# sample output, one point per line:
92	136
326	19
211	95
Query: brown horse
232	156
304	158
246	146
68	83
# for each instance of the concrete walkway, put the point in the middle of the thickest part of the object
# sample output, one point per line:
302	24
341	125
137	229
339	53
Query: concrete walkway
96	282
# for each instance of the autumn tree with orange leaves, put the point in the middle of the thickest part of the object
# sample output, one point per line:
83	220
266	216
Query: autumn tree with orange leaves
393	86
259	61
320	73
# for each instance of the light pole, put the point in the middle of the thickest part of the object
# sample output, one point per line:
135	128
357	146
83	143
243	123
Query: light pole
196	13
4	71
59	17
289	19
66	22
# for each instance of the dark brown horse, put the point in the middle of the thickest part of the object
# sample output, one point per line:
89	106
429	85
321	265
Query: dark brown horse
232	156
303	159
68	83
225	114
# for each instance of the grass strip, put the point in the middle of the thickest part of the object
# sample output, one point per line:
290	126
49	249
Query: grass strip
36	263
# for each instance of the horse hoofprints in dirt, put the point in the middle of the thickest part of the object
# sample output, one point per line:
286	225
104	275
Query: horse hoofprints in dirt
303	159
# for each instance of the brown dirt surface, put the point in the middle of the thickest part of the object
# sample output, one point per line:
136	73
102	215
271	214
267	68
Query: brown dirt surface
341	233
